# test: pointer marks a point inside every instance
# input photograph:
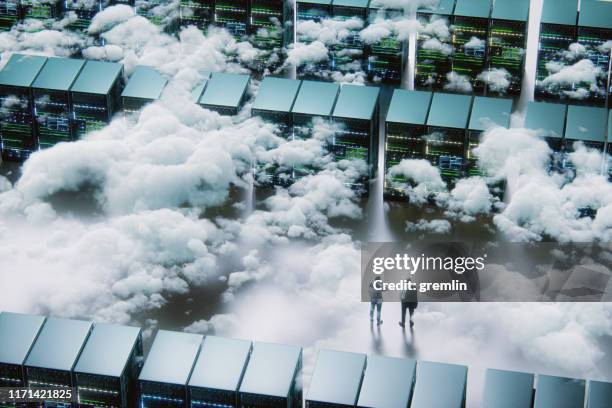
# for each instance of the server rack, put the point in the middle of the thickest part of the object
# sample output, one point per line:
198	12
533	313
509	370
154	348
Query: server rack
52	104
108	367
199	13
271	29
272	378
317	11
95	95
594	30
440	385
163	380
156	11
225	93
85	11
558	392
357	112
273	103
433	64
349	55
446	128
599	394
609	155
38	9
315	100
405	135
54	355
508	41
9	14
336	379
549	120
486	112
508	389
145	85
233	15
17	129
18	333
557	32
217	373
313	10
584	124
314	104
470	40
388	383
196	93
386	59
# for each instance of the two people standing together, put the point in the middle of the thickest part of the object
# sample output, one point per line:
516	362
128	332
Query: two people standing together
408	301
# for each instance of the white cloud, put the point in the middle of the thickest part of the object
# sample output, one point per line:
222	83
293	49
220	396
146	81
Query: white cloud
497	79
110	17
457	83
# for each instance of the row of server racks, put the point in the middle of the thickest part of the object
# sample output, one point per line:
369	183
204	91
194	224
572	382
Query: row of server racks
483	38
562	126
14	11
443	129
299	105
343	379
46	101
104	365
383	60
563	27
267	24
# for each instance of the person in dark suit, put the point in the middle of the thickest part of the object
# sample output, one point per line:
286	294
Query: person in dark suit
410	302
376	300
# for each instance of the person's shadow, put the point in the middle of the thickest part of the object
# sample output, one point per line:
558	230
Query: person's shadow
377	340
409	343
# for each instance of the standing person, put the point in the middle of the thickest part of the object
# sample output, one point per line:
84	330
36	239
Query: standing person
410	302
375	301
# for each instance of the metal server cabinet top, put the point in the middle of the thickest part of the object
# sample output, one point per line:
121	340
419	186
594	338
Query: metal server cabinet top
21	70
316	98
276	95
196	93
610	126
562	12
323	2
439	385
356	102
171	357
58	74
546	117
409	107
387	383
514	10
363	4
443	7
473	8
59	344
600	394
108	350
558	392
449	110
144	83
487	111
336	378
508	389
225	90
221	364
595	14
17	334
586	123
97	77
271	369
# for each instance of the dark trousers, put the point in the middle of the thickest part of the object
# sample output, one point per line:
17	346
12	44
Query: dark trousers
410	306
